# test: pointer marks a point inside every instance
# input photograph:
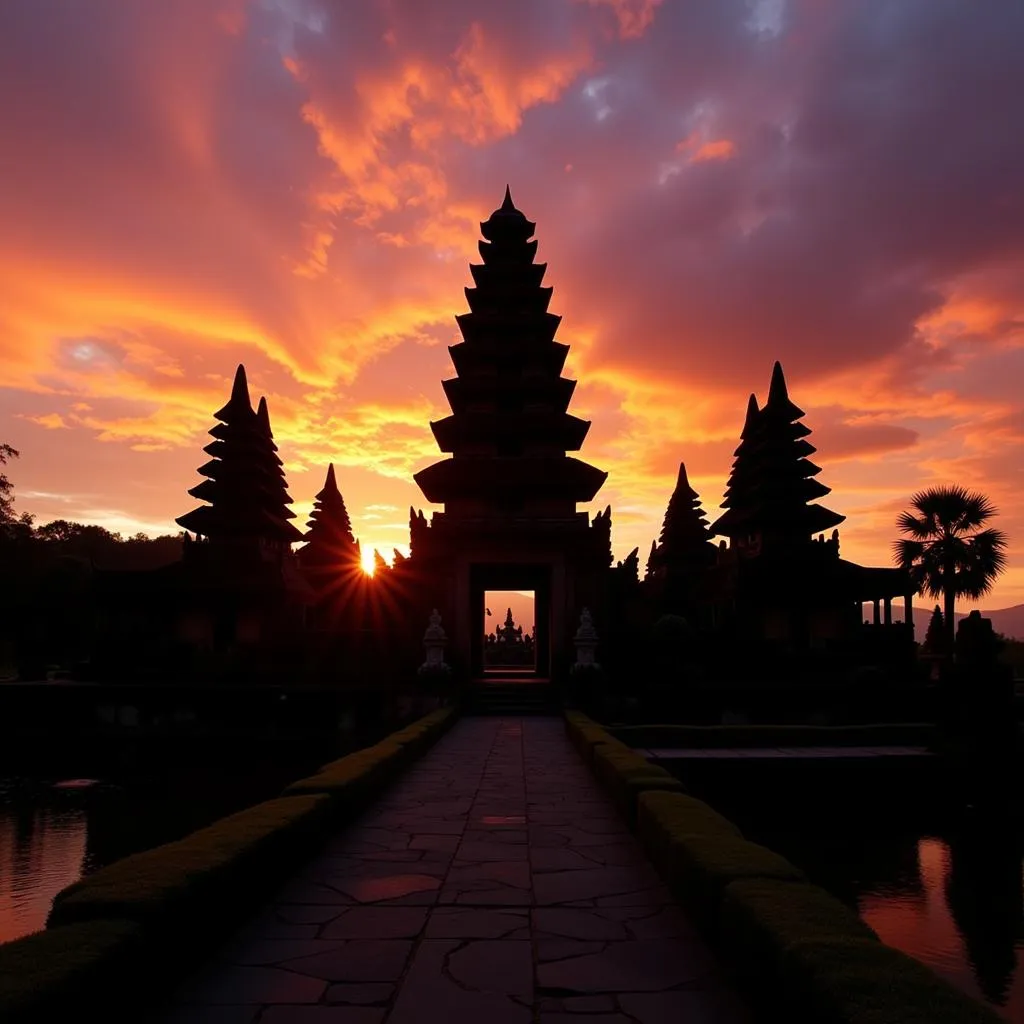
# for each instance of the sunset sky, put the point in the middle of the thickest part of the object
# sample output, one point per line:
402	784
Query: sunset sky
298	184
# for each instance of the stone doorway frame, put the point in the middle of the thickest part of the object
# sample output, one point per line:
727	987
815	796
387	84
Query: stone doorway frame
506	576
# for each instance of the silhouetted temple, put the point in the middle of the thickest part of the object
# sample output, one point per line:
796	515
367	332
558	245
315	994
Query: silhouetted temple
509	488
680	557
237	596
776	582
247	498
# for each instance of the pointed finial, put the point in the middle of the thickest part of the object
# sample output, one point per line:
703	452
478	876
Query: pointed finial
507	205
777	391
239	406
240	387
330	483
263	415
752	410
683	484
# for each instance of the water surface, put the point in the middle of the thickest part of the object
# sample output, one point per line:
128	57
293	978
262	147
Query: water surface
42	849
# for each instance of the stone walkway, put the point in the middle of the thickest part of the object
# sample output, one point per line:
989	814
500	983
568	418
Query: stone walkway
495	883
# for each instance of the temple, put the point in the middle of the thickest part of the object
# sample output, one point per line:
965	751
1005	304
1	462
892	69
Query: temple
680	557
777	586
774	592
510	488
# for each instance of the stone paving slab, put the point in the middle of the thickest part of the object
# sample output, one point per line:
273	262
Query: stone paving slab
494	882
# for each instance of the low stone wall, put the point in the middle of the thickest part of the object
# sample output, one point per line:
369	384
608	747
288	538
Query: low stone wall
114	935
801	953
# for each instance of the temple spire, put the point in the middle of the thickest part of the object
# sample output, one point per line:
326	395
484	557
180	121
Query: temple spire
244	487
778	396
769	500
330	542
509	400
239	404
683	547
275	468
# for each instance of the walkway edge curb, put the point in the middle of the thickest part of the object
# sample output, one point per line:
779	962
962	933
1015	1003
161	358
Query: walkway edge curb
114	934
801	953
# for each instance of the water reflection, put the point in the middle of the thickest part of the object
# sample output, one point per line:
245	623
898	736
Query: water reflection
42	849
955	902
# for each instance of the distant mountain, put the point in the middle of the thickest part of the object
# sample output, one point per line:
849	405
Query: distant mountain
1008	621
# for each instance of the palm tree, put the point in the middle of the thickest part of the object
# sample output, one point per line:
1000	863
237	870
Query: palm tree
946	551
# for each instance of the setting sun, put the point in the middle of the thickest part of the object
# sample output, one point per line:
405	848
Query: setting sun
368	560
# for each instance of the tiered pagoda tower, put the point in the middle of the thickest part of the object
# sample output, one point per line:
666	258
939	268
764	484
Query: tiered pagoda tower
245	490
683	551
330	543
778	582
770	497
510	488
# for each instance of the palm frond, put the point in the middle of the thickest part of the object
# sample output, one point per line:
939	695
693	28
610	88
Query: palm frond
919	527
952	508
906	552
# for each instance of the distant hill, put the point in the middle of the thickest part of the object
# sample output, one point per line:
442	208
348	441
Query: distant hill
1008	621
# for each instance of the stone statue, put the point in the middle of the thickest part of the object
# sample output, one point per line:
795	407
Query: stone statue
434	640
585	641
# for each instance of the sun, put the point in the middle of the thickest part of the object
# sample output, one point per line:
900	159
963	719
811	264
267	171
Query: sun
368	557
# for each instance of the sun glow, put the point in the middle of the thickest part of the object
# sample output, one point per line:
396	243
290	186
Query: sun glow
368	560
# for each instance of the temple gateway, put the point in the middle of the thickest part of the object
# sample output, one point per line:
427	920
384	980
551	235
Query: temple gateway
510	488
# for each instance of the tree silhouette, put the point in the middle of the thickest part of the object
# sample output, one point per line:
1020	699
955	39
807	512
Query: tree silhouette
946	550
6	487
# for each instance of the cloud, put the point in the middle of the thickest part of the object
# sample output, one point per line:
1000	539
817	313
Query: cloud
195	184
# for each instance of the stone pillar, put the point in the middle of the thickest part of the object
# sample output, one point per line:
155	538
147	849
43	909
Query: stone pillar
877	617
888	611
908	612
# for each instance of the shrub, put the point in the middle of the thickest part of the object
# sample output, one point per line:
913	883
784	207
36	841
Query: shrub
626	775
812	954
866	982
763	918
421	734
700	867
43	976
352	780
586	735
664	816
208	871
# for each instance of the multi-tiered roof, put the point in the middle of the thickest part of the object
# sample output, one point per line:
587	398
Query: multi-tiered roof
510	430
772	490
244	486
684	545
329	537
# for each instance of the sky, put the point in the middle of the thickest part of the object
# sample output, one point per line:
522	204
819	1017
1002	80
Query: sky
297	185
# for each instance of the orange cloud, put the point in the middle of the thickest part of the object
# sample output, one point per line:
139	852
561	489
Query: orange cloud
634	16
719	149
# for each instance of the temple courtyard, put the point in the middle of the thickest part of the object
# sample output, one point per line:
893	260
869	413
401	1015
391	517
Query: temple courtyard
494	882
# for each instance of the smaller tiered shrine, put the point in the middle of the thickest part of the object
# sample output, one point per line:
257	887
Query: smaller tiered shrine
780	580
